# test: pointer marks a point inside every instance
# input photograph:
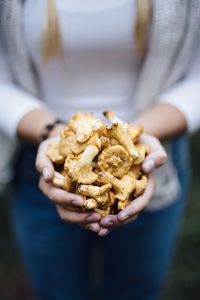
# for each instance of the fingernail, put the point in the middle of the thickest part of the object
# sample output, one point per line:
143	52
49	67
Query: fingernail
104	232
90	227
123	216
148	165
77	202
46	173
92	219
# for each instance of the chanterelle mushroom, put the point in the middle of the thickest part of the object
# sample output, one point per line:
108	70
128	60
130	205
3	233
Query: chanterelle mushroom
80	167
84	125
143	150
62	181
69	145
54	154
123	187
132	131
123	204
115	160
99	193
118	132
103	212
140	186
90	203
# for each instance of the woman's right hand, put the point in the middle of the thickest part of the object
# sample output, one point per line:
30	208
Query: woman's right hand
61	198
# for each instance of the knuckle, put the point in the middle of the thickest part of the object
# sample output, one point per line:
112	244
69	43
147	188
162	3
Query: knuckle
154	139
146	204
40	184
37	164
82	222
63	216
163	158
53	195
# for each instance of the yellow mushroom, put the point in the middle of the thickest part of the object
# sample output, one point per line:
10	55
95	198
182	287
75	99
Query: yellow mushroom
143	150
135	132
99	193
115	160
90	203
140	186
103	212
62	181
136	171
54	154
84	125
123	204
58	180
118	132
111	199
69	145
80	167
132	131
123	187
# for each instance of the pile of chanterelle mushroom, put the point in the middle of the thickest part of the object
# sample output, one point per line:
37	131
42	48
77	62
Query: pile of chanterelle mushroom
100	163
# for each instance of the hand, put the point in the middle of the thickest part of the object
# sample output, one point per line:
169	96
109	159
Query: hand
59	197
131	212
155	159
157	156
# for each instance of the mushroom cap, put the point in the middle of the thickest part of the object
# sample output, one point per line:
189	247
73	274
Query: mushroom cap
143	150
54	154
115	160
80	167
120	133
84	125
90	203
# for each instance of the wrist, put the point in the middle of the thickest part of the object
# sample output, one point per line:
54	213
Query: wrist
31	126
52	129
162	120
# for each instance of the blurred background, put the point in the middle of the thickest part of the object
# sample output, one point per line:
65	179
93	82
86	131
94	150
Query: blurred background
184	279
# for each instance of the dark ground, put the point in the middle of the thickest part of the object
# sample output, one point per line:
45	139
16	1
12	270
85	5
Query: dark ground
183	281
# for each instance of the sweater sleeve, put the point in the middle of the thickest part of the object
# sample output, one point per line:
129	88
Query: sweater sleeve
14	101
185	96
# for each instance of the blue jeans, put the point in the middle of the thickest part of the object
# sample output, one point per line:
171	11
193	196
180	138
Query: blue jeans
57	254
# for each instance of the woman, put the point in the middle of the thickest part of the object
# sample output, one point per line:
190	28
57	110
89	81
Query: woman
74	56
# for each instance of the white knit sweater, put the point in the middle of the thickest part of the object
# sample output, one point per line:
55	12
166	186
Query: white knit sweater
112	74
101	66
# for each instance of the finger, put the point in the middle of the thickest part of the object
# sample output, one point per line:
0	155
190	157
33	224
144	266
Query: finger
59	196
103	232
43	163
80	218
157	156
109	221
153	161
139	203
129	220
95	227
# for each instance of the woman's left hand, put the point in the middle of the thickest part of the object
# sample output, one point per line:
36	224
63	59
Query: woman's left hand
155	159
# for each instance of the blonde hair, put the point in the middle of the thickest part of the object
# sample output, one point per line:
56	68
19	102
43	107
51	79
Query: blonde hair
51	39
143	20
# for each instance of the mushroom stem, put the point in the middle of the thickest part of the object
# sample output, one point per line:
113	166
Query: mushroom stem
58	180
80	167
124	187
140	186
120	133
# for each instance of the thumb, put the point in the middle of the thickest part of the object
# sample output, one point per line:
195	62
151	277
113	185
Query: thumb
154	160
43	163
